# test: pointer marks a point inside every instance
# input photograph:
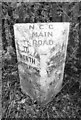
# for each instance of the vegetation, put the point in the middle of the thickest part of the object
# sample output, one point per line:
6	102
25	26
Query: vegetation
15	103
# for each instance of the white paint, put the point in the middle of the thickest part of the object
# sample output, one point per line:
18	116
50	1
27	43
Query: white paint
59	35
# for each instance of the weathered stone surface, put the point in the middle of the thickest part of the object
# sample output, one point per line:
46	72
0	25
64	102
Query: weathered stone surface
41	52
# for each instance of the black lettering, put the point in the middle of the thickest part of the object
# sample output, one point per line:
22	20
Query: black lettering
30	59
41	34
34	34
33	61
23	57
25	49
45	34
20	56
40	26
39	42
34	42
50	26
45	42
26	58
31	27
50	34
50	42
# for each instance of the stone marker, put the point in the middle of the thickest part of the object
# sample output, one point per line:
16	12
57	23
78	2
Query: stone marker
41	53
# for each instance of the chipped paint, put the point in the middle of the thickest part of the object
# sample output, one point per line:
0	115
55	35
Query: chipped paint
41	50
